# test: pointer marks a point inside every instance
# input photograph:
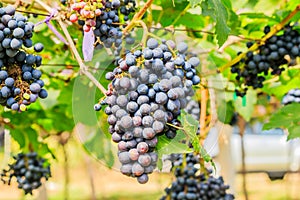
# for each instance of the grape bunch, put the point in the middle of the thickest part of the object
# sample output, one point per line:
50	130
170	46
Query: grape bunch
28	169
193	108
292	96
277	51
148	89
105	17
20	83
190	184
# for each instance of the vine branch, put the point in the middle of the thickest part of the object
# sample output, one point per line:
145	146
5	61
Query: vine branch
138	16
273	31
83	67
203	109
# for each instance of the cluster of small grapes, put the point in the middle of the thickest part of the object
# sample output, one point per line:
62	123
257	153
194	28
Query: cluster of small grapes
104	18
148	90
86	11
192	185
292	96
20	82
28	169
193	108
277	51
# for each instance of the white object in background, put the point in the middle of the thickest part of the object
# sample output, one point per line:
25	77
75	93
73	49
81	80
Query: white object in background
7	148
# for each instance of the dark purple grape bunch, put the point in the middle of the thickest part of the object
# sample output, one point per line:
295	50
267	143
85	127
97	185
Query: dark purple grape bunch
29	170
190	184
106	19
20	83
145	98
279	50
193	108
108	29
293	96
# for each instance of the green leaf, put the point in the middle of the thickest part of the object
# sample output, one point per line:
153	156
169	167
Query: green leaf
246	108
216	10
169	13
18	136
96	143
32	137
225	111
195	2
166	146
294	132
251	3
279	90
206	157
256	15
193	21
190	127
287	117
222	30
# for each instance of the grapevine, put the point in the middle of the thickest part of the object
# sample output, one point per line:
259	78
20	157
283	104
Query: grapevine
158	101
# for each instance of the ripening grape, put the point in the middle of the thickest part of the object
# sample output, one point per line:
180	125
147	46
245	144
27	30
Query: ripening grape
142	102
191	184
28	169
19	77
277	51
104	19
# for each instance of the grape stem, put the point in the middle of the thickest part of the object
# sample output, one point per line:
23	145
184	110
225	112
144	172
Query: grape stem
204	127
213	107
83	67
138	16
177	127
145	32
273	31
203	109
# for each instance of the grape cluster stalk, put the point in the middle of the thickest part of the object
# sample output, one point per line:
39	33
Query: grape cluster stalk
193	184
147	92
278	51
28	169
20	83
105	18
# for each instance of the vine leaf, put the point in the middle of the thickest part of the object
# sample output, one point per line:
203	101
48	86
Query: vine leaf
246	108
166	146
206	157
287	117
190	127
195	2
216	10
19	137
96	143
